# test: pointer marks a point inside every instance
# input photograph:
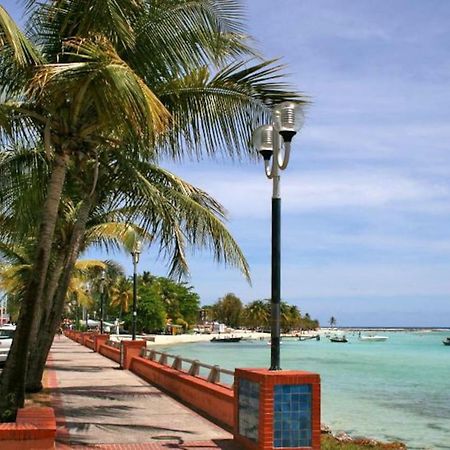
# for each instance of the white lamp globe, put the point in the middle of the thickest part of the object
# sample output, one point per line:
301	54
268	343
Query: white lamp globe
288	118
263	141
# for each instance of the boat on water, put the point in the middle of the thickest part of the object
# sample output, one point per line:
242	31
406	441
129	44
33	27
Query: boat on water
339	339
308	338
446	341
226	339
372	338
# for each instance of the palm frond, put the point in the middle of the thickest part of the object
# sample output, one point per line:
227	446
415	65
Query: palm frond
112	93
183	34
218	114
13	40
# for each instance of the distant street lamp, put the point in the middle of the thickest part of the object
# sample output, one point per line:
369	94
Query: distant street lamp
102	299
135	253
268	139
85	311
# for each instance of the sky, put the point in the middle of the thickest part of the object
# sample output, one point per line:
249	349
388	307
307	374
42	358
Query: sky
366	196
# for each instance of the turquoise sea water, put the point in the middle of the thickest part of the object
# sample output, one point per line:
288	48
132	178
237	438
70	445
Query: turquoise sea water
393	390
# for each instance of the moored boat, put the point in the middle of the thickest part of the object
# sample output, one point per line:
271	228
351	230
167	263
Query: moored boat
226	339
372	338
339	339
446	341
308	338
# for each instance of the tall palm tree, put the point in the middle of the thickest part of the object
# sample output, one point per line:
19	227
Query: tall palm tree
257	314
121	295
174	211
130	76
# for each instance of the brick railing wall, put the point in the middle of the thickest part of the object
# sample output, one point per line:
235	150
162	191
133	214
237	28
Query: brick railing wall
214	400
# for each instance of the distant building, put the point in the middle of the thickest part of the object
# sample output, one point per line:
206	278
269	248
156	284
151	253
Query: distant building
218	327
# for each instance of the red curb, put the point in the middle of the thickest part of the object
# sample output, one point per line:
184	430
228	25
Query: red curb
203	445
62	432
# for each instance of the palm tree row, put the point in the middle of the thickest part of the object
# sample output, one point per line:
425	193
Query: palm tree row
257	314
89	103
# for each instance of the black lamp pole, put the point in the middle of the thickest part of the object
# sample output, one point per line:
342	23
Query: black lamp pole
276	285
102	300
268	139
135	254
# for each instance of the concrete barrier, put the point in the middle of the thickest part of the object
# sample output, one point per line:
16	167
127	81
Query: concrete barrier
214	400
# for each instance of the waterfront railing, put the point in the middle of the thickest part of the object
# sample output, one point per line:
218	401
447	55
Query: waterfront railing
211	373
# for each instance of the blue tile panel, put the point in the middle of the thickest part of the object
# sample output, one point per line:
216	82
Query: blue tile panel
292	415
249	409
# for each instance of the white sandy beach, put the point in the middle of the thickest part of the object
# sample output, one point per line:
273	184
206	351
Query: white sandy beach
165	340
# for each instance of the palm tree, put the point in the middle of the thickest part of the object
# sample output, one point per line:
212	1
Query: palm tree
290	317
176	212
121	295
90	89
257	314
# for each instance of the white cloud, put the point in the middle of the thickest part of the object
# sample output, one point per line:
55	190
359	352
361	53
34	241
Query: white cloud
248	194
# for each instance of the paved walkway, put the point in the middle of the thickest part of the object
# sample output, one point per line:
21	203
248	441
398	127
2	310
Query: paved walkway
99	406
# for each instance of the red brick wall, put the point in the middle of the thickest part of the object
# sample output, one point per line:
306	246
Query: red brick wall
110	352
214	400
89	342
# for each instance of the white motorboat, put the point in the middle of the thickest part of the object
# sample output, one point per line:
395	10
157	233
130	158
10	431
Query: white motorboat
373	338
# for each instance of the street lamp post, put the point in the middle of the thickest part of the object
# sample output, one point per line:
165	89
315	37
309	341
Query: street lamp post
274	143
135	253
102	299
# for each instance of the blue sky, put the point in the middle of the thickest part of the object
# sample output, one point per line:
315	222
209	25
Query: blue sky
366	197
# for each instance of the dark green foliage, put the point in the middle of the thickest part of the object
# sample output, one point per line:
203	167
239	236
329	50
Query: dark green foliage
151	313
228	310
161	300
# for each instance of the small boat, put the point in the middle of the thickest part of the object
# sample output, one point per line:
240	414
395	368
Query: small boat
341	339
446	341
308	338
226	339
373	338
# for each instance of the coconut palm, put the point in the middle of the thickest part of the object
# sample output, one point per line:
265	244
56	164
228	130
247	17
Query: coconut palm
257	314
121	295
132	77
176	212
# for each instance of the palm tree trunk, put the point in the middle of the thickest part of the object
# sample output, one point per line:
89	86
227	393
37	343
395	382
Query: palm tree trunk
33	384
51	321
12	380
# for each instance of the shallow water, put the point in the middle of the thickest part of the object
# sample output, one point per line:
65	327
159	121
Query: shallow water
393	390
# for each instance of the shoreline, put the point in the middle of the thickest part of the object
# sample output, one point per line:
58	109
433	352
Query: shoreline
167	340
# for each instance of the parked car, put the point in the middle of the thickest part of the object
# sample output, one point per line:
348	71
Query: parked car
6	337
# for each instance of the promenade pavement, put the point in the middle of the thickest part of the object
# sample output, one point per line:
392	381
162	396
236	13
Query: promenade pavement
100	406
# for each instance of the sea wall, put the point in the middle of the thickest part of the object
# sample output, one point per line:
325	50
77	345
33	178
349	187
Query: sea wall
214	400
